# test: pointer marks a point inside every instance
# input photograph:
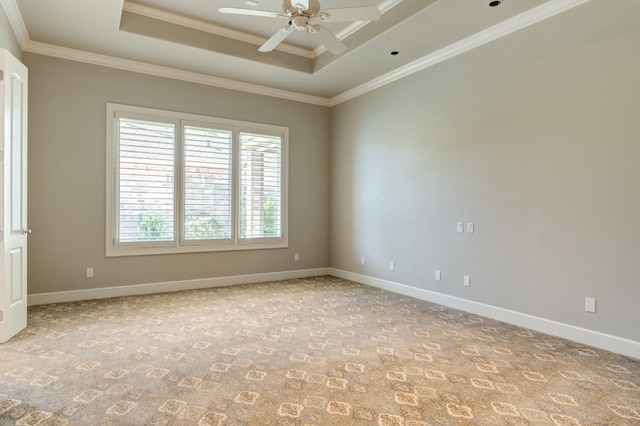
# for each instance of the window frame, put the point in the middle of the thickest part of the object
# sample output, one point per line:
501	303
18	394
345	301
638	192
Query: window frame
179	244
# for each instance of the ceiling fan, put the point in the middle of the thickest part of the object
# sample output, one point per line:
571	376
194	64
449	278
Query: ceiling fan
306	15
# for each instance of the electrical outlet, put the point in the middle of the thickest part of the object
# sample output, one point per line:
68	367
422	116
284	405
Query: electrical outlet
392	266
296	257
470	227
460	227
363	261
89	272
438	276
467	281
590	305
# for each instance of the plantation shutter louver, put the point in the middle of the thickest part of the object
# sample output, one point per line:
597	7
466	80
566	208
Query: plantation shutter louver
260	186
146	179
207	183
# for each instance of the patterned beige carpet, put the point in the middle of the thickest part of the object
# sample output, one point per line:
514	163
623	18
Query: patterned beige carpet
320	351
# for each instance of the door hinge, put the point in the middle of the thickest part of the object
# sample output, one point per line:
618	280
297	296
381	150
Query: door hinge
1	315
1	75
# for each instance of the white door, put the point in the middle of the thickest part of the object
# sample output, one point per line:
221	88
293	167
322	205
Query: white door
13	187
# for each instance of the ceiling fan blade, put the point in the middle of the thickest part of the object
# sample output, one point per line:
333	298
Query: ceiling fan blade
275	40
251	12
329	41
352	14
288	7
301	4
314	6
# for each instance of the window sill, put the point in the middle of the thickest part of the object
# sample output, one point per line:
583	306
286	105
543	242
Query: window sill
149	251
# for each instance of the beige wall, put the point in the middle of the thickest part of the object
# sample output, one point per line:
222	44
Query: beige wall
67	111
535	138
7	38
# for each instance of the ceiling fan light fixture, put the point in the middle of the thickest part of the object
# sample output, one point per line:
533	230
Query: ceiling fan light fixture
305	15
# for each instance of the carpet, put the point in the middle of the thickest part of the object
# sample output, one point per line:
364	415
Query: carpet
316	351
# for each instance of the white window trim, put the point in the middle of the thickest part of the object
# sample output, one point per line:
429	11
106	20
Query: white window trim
114	249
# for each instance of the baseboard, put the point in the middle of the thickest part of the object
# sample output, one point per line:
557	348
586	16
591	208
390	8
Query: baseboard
581	335
137	289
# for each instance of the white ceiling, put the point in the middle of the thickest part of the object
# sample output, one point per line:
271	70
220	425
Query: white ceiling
191	40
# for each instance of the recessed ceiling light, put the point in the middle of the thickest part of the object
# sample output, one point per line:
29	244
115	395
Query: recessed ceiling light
495	3
394	53
252	3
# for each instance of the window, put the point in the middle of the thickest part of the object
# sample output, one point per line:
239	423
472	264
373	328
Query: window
185	183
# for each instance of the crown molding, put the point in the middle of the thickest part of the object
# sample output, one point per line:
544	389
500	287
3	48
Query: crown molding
525	19
15	20
211	28
355	26
166	72
537	14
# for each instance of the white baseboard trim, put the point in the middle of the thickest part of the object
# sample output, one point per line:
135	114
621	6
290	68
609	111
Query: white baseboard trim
577	334
581	335
137	289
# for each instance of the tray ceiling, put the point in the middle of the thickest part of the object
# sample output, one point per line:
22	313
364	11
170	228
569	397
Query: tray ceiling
192	40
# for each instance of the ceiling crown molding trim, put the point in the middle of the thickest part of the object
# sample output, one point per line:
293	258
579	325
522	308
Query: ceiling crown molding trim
15	20
166	72
355	26
544	11
525	19
211	28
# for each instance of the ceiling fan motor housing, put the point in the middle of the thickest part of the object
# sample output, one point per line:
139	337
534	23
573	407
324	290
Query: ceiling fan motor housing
300	22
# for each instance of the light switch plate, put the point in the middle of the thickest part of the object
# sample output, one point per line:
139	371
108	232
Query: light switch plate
590	305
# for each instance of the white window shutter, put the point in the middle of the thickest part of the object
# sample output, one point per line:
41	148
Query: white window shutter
146	177
207	183
186	183
260	186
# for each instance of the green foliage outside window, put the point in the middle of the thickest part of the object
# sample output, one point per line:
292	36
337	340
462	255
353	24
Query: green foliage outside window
152	227
270	215
203	227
